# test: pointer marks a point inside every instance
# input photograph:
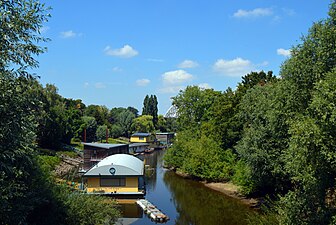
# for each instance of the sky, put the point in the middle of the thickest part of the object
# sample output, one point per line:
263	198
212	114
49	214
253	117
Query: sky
115	52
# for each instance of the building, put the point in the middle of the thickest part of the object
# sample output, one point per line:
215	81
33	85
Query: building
142	138
165	138
119	174
95	152
137	147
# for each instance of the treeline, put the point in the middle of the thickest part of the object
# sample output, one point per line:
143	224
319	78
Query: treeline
272	136
61	120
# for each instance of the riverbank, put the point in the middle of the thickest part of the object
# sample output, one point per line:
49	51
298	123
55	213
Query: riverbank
228	189
232	190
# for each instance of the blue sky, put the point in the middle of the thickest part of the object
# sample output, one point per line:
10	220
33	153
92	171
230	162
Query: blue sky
114	52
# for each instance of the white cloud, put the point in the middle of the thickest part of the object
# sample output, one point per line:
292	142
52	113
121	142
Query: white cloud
234	68
258	12
176	77
171	89
69	34
155	60
188	64
100	85
142	82
284	52
124	52
204	86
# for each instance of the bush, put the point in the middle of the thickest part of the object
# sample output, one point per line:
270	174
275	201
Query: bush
242	177
48	163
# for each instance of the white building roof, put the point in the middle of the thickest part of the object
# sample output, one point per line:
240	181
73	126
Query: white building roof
118	165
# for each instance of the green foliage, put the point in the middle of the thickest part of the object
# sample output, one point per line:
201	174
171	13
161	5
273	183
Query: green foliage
125	120
21	23
59	120
90	209
116	131
162	124
200	156
265	111
100	113
150	108
193	105
101	133
17	169
70	154
243	177
121	120
143	124
48	163
90	125
312	59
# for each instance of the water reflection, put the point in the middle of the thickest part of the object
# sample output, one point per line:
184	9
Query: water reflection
187	201
151	162
197	204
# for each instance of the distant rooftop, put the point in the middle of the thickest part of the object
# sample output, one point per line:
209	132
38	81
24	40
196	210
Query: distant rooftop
103	145
141	134
165	133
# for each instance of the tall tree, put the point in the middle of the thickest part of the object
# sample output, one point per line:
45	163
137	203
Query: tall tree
20	24
150	107
146	103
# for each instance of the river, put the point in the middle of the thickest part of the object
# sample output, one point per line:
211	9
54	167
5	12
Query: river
184	201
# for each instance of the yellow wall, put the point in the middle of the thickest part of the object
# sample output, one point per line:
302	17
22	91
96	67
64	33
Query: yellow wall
145	139
93	185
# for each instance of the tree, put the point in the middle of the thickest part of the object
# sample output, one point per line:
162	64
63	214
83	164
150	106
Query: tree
90	125
133	110
19	33
312	59
101	132
146	103
265	111
150	108
116	131
143	124
100	113
162	124
125	120
193	104
122	118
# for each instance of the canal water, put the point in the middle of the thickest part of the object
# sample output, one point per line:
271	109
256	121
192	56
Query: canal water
184	201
